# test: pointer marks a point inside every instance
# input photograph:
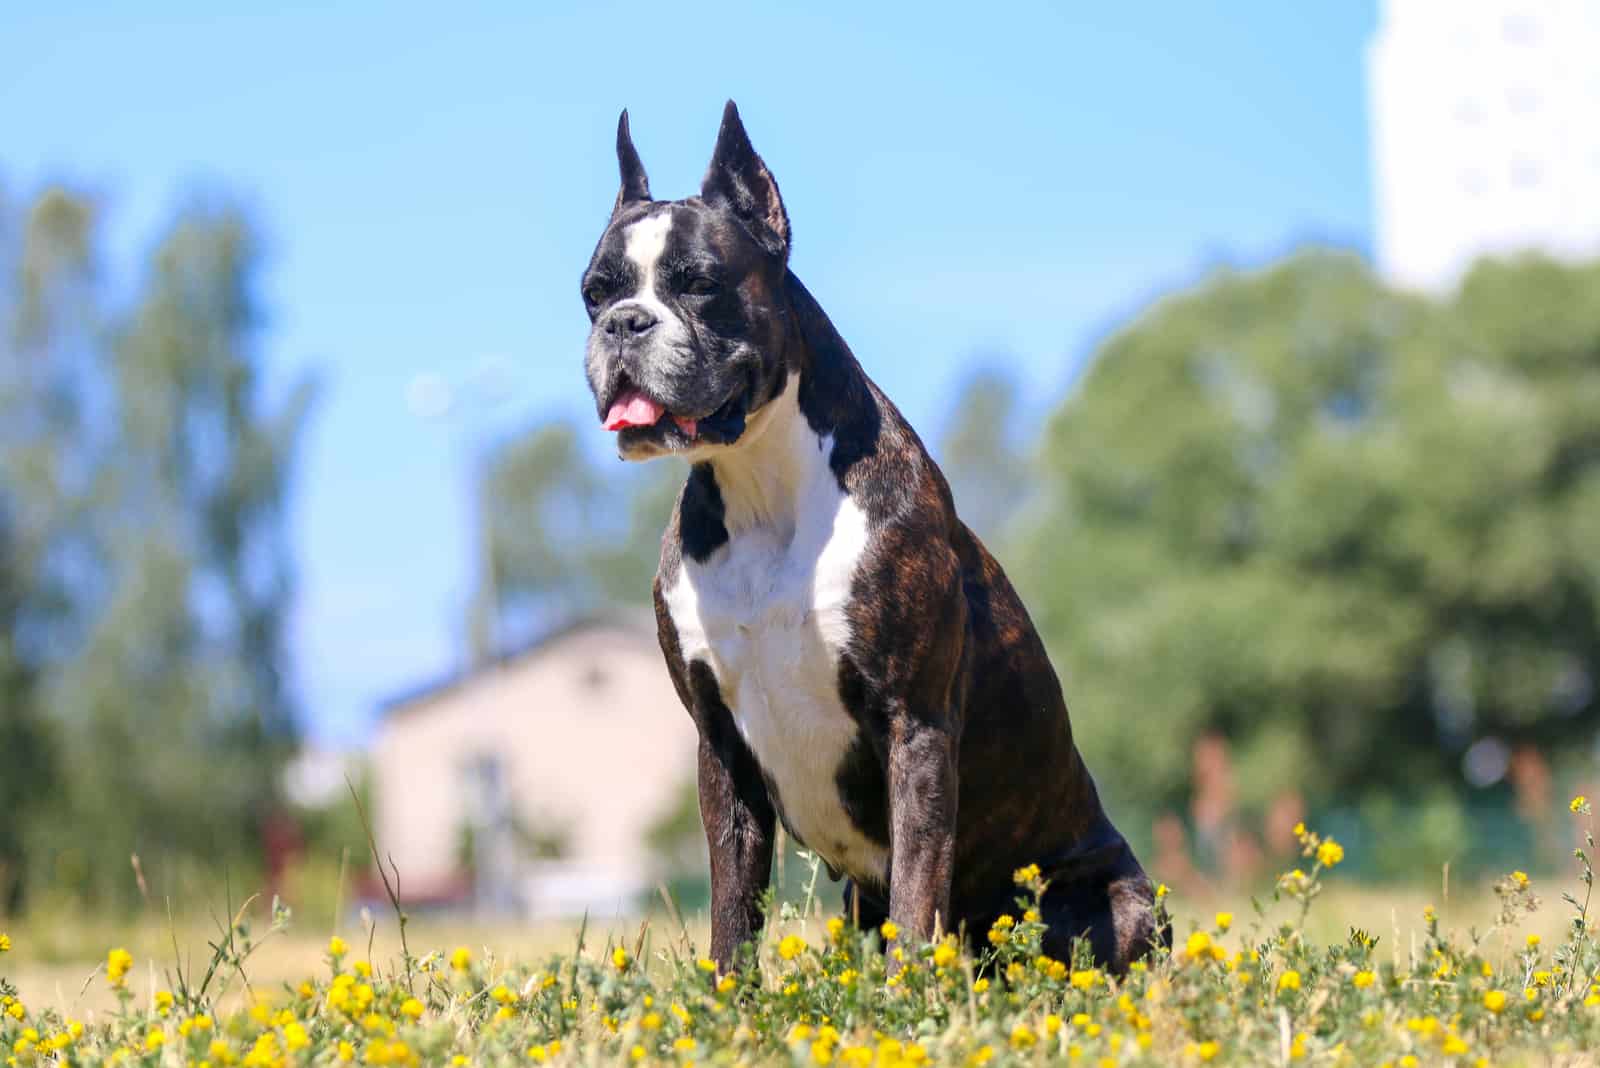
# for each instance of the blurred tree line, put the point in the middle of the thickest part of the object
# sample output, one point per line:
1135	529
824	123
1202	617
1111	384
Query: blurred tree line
1294	539
144	564
1354	532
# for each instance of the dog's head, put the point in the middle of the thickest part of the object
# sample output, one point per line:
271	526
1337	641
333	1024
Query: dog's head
687	302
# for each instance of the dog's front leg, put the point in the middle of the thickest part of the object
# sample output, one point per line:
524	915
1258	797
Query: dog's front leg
740	824
922	823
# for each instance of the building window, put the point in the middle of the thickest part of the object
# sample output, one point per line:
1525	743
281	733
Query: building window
1520	29
1525	173
594	679
1522	99
1469	111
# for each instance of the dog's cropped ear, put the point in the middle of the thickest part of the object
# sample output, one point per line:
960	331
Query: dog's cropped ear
739	179
635	184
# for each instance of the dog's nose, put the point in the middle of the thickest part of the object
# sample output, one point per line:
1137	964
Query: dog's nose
629	320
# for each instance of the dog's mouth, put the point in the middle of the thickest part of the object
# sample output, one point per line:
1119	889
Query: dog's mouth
637	418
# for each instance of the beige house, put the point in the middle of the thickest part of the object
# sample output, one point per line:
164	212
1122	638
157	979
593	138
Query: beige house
526	786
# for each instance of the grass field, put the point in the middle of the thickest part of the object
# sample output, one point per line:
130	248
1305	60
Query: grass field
1461	982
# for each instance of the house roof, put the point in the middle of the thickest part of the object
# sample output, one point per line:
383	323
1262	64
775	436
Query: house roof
641	623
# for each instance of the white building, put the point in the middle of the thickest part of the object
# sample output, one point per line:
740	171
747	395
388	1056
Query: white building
1486	133
552	763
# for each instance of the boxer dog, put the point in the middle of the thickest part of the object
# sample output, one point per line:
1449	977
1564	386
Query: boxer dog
855	661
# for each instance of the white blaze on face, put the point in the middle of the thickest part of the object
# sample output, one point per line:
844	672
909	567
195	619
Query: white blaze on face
667	350
643	244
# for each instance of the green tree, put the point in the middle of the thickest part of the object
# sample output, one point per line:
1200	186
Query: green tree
980	454
144	483
47	482
561	537
1350	529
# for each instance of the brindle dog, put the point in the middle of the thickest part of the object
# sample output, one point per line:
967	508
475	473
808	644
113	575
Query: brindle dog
855	660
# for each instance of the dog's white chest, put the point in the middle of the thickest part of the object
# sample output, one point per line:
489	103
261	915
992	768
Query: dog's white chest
768	612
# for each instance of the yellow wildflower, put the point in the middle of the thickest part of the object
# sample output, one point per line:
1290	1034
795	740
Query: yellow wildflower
5	942
1022	1037
890	930
1362	980
791	947
1578	803
461	959
944	954
337	947
980	985
1534	940
1224	920
411	1008
1494	1000
619	959
1289	980
118	962
1329	853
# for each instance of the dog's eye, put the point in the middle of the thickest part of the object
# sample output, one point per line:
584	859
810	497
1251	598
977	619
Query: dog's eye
701	286
594	293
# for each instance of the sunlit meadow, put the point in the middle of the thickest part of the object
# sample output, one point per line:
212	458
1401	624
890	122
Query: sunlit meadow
1232	990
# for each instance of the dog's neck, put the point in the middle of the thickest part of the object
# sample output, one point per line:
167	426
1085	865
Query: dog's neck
784	462
766	478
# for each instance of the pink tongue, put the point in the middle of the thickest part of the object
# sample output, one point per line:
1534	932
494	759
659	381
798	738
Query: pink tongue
632	409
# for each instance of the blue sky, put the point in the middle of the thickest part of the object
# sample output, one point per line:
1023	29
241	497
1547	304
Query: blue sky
961	179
